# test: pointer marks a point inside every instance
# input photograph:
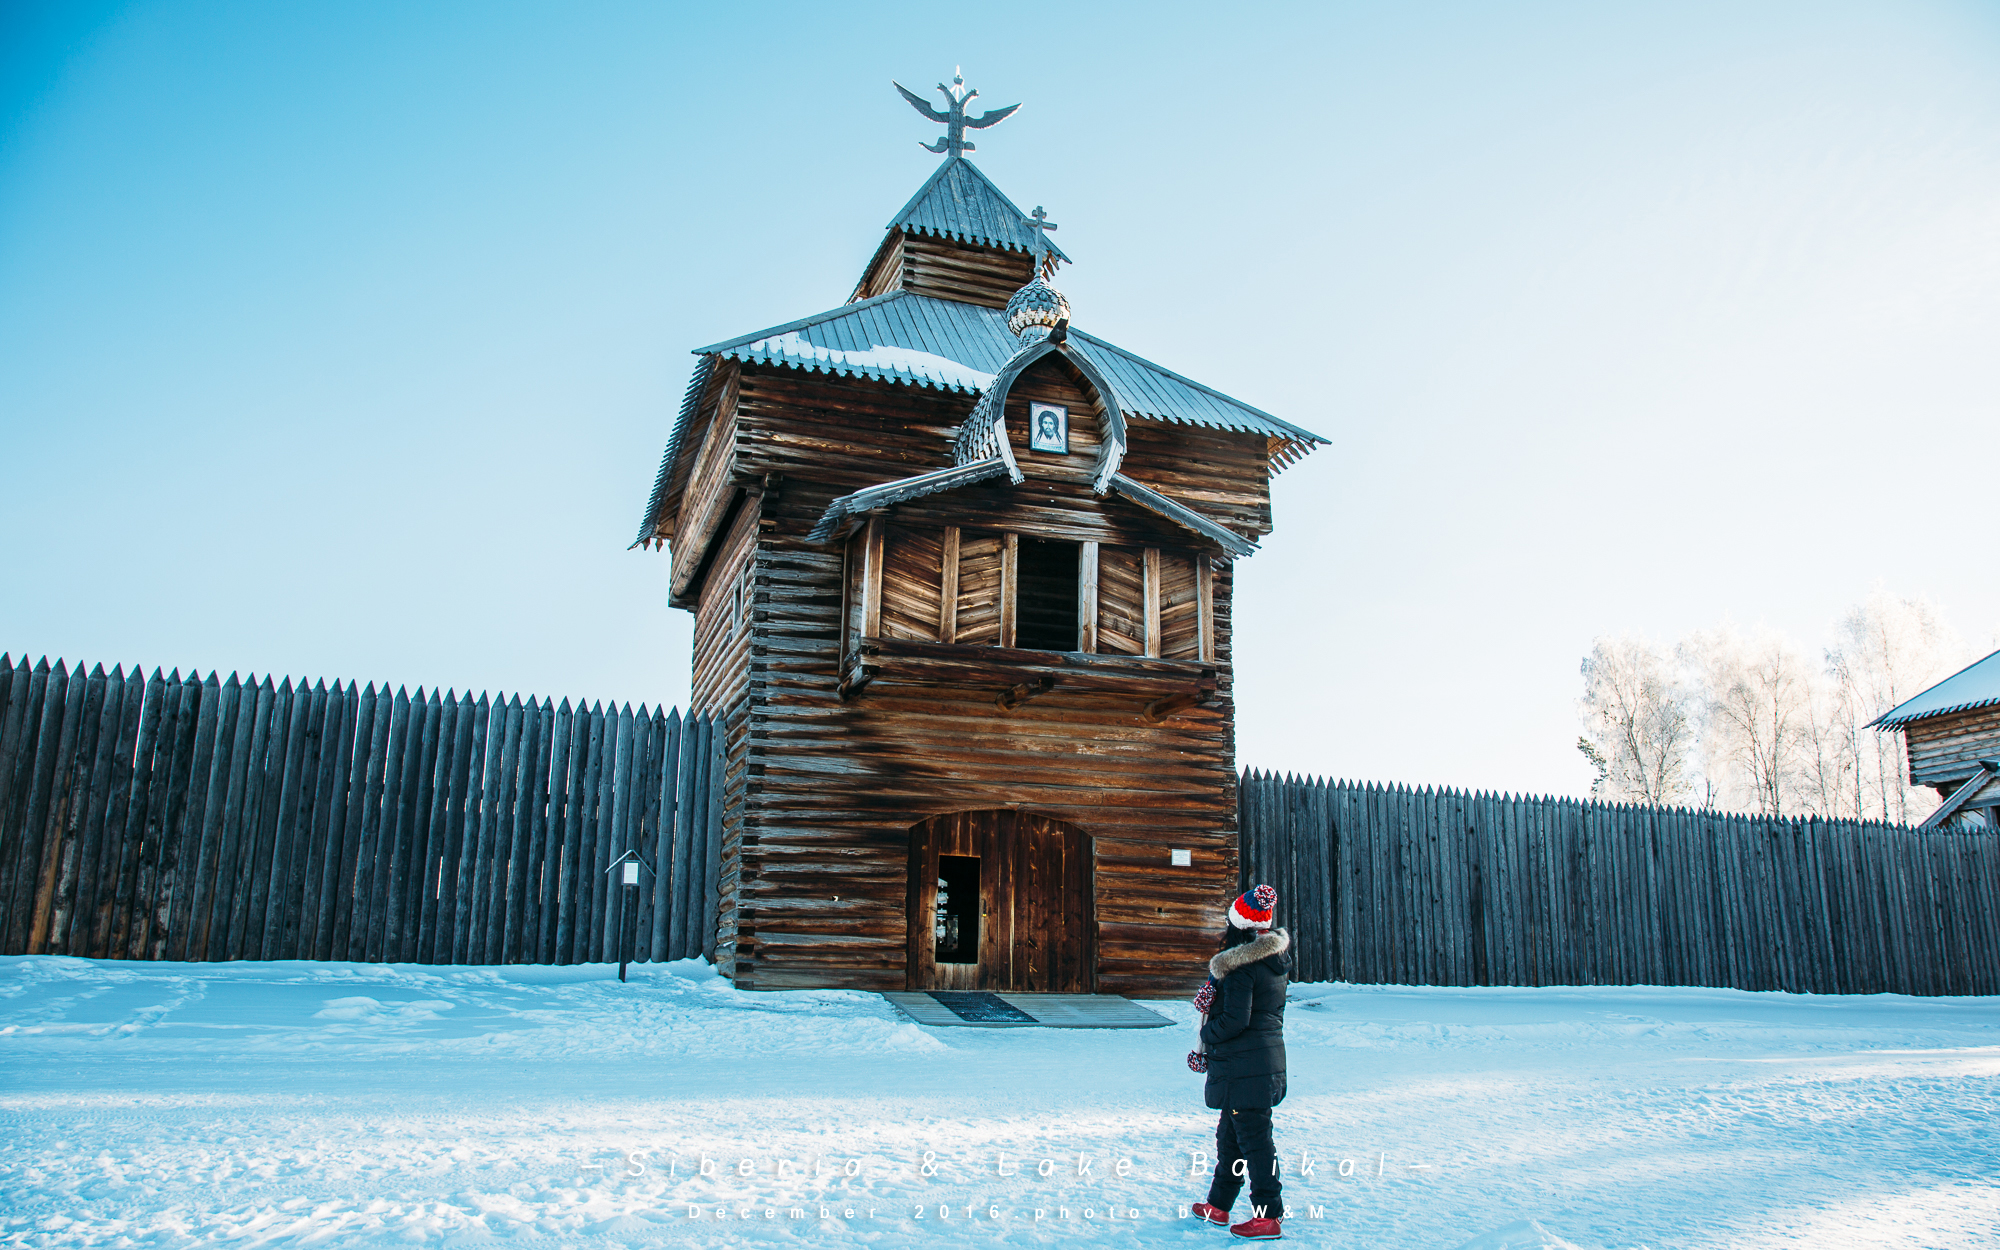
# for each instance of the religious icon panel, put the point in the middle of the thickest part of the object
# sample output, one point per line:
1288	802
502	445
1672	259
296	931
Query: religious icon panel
1048	428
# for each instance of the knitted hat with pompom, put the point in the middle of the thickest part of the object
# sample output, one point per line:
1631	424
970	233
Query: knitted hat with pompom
1253	910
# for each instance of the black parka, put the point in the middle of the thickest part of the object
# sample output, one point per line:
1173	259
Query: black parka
1244	1035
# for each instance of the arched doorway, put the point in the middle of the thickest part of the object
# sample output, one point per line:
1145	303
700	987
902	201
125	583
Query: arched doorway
1000	900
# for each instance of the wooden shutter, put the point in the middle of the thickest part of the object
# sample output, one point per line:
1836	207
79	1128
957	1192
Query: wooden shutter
1180	608
1121	603
912	573
978	616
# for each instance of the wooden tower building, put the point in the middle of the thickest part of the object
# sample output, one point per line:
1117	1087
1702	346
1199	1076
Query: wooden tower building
961	579
1952	734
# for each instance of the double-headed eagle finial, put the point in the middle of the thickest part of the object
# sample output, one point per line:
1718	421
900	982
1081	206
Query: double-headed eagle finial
958	95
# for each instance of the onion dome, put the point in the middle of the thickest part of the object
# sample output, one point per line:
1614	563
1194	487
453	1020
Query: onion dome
1035	310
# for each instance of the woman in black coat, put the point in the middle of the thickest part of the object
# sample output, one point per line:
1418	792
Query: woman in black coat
1243	1041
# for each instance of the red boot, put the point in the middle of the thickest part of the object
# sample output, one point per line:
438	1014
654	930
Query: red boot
1259	1229
1210	1215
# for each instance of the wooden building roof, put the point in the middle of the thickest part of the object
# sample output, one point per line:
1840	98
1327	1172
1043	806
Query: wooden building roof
958	347
1975	686
936	319
959	202
900	337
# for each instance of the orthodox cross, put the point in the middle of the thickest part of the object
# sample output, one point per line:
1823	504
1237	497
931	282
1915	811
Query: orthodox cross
957	96
1038	222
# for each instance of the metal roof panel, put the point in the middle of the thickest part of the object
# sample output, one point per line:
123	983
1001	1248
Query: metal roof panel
901	337
1977	685
960	202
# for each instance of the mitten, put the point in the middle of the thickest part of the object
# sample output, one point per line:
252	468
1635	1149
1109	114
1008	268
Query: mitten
1205	997
1197	1062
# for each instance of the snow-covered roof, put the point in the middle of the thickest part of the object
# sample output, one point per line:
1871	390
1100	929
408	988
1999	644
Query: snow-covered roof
1975	686
914	339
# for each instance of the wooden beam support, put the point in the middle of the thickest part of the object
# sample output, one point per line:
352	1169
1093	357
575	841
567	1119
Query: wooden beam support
1086	598
1015	696
857	681
707	497
1150	593
871	578
905	661
698	544
1988	769
1161	709
948	599
1010	581
850	644
1204	594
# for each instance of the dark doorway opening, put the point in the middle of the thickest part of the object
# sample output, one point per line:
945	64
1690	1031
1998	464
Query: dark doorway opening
1045	603
1001	900
957	922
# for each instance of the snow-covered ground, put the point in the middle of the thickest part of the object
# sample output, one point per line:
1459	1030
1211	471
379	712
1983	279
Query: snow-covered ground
300	1103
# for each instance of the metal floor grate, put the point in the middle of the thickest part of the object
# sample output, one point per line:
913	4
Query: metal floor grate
981	1009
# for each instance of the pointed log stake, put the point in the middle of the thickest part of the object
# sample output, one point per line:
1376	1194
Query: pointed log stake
1160	709
1015	696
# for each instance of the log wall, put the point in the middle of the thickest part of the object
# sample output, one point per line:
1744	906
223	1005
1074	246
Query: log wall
1392	885
835	788
1946	749
822	791
924	264
191	818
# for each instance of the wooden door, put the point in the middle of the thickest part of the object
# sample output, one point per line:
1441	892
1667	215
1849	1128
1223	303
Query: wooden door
1018	914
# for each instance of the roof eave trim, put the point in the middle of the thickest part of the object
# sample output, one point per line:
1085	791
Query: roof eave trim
1895	716
1889	719
1146	497
649	526
843	369
802	323
911	227
901	490
1299	433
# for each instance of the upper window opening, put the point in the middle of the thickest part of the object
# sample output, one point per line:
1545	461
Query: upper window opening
1045	617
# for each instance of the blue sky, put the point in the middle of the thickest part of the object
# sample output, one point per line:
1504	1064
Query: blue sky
343	339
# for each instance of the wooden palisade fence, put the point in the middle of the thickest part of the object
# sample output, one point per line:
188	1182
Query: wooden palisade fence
1391	885
199	819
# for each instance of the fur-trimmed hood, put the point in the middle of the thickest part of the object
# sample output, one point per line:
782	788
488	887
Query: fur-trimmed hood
1263	946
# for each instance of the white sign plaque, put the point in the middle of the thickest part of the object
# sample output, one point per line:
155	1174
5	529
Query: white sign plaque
1183	859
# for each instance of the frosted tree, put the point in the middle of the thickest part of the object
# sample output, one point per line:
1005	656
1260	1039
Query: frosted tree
1887	649
1639	724
1756	714
1752	722
1830	755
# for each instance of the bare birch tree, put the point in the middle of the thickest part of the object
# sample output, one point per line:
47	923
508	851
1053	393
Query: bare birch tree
1639	724
1756	694
1751	722
1829	763
1887	649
